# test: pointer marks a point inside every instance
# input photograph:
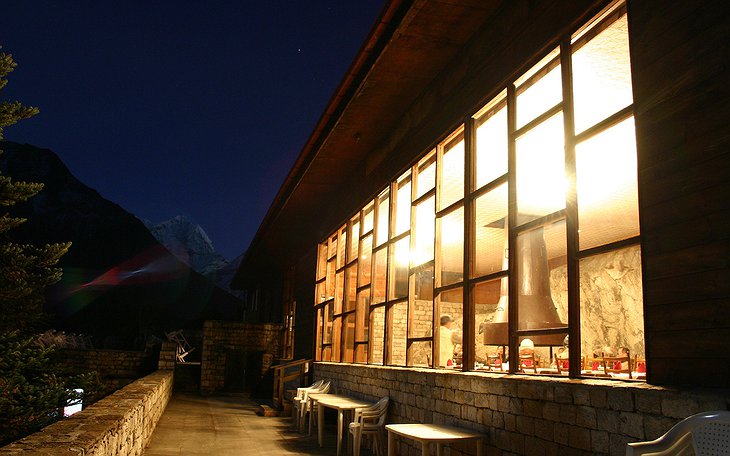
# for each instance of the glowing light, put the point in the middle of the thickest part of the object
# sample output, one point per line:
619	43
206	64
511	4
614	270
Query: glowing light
541	180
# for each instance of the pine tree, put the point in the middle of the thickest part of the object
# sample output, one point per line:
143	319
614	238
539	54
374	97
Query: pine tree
32	390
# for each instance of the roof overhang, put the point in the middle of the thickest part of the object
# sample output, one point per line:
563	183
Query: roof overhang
408	47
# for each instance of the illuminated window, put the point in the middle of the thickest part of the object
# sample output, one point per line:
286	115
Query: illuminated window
552	187
426	175
491	136
451	177
451	247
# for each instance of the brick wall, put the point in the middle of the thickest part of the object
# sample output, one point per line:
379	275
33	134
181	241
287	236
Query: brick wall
524	415
120	424
219	337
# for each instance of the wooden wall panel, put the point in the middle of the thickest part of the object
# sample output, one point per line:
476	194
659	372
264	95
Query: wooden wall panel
681	69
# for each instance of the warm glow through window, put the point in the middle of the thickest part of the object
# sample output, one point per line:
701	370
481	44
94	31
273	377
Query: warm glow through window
602	76
541	182
539	89
503	240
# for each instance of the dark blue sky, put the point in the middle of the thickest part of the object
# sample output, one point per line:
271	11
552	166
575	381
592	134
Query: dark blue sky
183	107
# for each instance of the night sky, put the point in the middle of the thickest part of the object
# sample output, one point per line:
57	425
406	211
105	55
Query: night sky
167	108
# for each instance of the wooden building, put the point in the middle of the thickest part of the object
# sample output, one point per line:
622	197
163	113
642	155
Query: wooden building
483	156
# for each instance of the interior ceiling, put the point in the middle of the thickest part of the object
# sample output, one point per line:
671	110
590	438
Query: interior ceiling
421	41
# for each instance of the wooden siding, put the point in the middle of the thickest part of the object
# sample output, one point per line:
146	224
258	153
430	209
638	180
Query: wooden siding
681	72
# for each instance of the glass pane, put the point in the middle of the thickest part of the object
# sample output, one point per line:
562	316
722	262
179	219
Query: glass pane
452	173
403	208
421	309
451	305
330	287
423	283
490	232
327	353
332	247
381	233
490	307
542	289
426	175
341	247
424	233
354	238
377	334
336	339
602	76
320	294
363	307
365	259
611	307
348	346
608	201
397	324
321	261
361	353
399	268
339	290
541	182
328	319
351	287
419	353
491	147
380	274
452	247
318	337
367	216
537	357
539	89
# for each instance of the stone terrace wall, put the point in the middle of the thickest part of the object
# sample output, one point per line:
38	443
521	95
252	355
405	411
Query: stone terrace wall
120	424
522	414
221	336
115	367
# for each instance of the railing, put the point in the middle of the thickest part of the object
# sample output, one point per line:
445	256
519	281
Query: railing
284	373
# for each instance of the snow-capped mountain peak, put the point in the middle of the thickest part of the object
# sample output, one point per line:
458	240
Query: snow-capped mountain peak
189	242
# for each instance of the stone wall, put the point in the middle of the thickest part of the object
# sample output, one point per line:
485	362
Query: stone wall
120	424
116	368
223	337
521	414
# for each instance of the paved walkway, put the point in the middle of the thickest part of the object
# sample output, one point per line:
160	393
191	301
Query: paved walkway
228	425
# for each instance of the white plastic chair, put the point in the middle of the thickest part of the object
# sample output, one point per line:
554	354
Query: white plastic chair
302	407
296	399
369	420
703	434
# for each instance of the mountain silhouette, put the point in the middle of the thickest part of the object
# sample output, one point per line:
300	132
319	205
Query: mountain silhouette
120	285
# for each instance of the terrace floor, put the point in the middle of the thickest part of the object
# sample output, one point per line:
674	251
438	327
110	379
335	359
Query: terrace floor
228	425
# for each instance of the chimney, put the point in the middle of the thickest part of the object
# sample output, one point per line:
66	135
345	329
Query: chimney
536	307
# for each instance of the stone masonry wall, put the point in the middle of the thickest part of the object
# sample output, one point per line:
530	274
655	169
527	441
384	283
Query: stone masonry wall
116	368
524	415
221	336
121	424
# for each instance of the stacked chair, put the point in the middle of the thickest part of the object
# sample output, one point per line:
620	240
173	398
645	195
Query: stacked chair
300	403
370	420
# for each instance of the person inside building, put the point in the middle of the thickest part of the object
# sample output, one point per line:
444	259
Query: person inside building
449	341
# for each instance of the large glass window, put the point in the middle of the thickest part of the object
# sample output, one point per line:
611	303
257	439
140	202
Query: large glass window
491	134
540	207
